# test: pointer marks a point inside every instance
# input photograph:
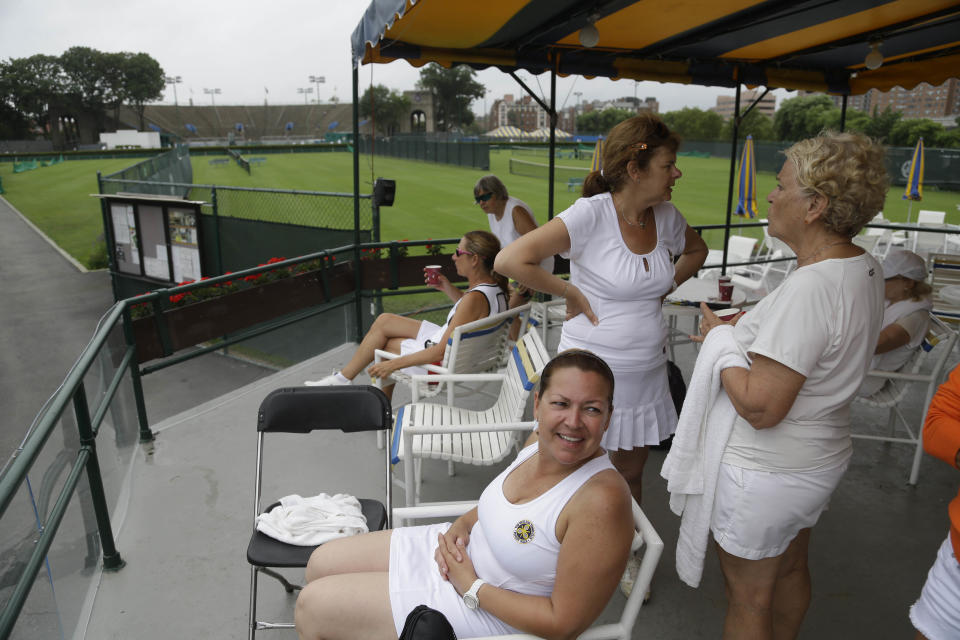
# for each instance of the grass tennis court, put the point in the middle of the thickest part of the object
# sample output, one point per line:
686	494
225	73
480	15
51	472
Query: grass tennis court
433	200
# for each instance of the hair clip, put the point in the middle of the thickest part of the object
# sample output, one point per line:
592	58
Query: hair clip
639	146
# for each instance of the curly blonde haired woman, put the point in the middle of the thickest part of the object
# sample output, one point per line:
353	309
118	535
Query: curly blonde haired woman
809	344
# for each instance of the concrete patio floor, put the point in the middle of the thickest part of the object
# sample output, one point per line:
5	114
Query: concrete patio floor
184	531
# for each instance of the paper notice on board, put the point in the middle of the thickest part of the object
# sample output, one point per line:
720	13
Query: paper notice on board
186	263
121	230
157	267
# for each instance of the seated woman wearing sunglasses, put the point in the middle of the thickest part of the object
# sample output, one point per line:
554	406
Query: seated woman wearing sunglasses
509	219
422	342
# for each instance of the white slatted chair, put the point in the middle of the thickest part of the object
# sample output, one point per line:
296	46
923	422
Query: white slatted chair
924	367
945	272
739	249
644	536
480	346
548	315
761	279
886	238
479	437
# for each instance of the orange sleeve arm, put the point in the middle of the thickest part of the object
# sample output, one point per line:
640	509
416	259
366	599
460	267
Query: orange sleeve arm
941	430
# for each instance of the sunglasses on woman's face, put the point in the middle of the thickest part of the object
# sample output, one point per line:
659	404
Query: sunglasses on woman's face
483	197
461	252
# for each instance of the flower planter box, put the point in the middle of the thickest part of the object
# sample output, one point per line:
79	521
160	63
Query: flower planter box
209	319
375	274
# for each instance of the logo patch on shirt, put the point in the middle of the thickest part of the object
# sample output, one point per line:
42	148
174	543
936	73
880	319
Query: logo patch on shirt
523	532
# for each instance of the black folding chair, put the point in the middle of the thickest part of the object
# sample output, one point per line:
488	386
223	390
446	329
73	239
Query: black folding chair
303	410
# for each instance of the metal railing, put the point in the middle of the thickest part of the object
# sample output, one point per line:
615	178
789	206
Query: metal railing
98	391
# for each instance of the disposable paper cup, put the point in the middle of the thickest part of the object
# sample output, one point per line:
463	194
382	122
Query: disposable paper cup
725	287
727	314
433	273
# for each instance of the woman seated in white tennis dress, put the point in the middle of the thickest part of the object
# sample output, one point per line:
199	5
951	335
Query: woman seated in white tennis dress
421	342
906	315
541	553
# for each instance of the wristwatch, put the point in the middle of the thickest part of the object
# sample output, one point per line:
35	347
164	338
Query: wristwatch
470	597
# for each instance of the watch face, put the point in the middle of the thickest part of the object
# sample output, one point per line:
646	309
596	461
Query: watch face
470	600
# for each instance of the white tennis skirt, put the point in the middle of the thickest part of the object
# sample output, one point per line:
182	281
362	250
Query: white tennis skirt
757	514
643	411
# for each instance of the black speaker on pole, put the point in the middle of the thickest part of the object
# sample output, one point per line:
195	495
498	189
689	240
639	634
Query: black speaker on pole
384	191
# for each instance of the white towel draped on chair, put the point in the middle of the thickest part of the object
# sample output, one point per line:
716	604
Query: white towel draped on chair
693	463
313	521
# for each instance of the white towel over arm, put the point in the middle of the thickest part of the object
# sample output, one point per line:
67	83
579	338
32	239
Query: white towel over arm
693	463
313	521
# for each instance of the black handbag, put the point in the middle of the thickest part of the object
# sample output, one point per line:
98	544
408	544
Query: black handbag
424	623
678	392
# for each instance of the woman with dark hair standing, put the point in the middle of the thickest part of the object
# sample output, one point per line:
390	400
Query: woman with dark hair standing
628	247
509	218
422	342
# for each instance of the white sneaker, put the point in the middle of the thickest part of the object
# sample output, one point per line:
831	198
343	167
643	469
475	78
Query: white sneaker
332	380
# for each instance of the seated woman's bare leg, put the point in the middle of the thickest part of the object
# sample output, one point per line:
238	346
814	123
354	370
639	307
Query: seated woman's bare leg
386	327
356	554
347	592
346	606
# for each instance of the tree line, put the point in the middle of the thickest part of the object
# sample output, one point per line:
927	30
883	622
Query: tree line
67	98
796	119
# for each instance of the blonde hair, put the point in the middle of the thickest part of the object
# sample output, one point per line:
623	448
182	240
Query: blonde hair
634	139
848	170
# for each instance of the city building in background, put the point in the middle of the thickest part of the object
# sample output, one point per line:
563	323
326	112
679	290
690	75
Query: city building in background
725	104
526	114
940	104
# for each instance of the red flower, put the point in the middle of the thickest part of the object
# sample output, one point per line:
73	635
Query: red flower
177	297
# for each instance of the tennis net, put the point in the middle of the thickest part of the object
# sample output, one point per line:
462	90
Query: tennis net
562	173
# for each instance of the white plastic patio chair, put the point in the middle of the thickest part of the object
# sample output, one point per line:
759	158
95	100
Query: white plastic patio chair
548	315
479	437
644	536
480	346
945	272
925	367
739	249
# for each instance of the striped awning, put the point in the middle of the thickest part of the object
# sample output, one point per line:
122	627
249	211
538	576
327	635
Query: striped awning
507	131
814	45
543	133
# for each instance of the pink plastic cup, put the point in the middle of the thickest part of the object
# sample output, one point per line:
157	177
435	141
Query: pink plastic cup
725	288
727	314
433	273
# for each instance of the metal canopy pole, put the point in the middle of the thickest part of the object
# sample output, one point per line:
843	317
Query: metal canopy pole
356	201
552	112
733	166
843	113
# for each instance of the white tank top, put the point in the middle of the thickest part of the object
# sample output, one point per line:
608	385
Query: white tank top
514	546
506	231
496	303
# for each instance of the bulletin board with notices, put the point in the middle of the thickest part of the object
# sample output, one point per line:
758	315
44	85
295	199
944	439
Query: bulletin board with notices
156	237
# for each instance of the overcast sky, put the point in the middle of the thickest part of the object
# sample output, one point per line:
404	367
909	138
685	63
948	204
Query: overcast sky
244	47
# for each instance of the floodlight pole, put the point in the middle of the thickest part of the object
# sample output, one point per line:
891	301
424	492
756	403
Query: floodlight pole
174	80
318	80
305	91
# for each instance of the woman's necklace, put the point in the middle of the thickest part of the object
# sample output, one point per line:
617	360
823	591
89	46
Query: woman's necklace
639	223
817	252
